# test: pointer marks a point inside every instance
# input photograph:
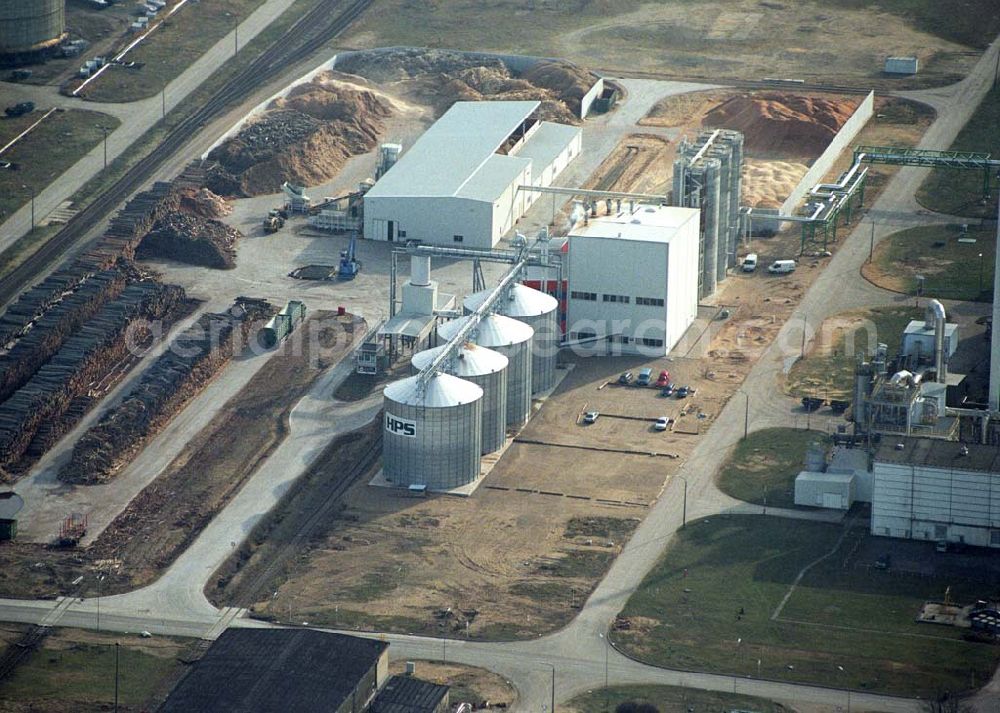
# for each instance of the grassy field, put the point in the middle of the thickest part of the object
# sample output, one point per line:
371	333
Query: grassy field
44	154
702	38
686	614
182	39
669	699
28	244
951	270
765	465
828	369
960	192
75	670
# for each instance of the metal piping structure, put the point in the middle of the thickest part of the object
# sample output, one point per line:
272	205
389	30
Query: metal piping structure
934	314
463	334
563	191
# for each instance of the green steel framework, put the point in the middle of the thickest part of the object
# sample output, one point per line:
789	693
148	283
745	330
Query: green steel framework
898	156
818	233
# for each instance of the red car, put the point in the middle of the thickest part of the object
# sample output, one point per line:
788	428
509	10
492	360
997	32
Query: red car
664	378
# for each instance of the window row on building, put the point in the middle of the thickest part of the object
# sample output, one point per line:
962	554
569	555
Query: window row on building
620	299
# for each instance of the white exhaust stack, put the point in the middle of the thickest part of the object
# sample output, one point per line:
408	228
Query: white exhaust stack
420	270
934	314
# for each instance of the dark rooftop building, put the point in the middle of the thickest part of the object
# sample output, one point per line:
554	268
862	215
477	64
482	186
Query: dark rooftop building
10	504
282	671
405	694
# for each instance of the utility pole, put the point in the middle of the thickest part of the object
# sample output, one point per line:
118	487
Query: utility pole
871	249
553	688
163	103
32	190
117	646
746	415
105	130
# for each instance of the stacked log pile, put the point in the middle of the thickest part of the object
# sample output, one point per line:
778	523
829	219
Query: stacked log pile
81	360
192	360
53	327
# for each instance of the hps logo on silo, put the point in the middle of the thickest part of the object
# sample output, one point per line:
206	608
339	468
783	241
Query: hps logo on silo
400	426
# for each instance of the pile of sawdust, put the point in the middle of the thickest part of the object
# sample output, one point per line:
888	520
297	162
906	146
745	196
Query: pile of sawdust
203	203
442	77
785	124
304	138
766	184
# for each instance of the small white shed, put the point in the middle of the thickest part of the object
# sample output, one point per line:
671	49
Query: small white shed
834	491
901	65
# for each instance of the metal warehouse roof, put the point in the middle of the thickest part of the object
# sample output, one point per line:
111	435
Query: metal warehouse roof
288	670
546	143
492	179
935	453
452	150
405	694
650	224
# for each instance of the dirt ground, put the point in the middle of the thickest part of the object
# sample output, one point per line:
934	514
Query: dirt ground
715	40
641	163
166	516
469	684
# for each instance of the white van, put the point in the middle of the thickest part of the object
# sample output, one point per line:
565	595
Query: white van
781	267
750	262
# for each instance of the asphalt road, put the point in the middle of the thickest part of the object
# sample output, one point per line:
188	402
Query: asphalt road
579	653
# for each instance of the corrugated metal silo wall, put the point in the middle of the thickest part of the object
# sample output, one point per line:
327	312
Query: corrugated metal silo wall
27	25
443	453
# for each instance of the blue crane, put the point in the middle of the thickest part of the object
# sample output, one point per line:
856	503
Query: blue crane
350	266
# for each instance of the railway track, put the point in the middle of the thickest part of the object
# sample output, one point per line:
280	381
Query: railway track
248	592
325	21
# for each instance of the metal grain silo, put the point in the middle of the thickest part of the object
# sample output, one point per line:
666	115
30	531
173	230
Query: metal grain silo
432	435
486	369
540	312
512	339
27	27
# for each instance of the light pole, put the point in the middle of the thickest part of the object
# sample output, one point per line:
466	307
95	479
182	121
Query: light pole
684	510
746	414
980	274
99	581
842	676
871	249
105	130
32	190
802	353
553	703
607	693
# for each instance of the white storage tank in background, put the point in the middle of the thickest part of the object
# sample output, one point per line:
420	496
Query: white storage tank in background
512	339
486	369
540	312
432	437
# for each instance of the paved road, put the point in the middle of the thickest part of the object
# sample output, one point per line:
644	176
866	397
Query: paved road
579	652
136	118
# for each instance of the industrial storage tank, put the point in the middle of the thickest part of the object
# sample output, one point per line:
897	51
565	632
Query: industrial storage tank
540	312
512	339
27	27
432	435
486	369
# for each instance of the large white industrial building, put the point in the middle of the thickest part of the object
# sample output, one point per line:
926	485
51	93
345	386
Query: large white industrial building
633	279
458	184
929	489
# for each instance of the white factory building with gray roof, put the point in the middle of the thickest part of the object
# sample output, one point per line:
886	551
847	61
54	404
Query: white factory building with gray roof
458	184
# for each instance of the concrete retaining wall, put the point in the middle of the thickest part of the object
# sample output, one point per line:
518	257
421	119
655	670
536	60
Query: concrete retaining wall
848	132
588	99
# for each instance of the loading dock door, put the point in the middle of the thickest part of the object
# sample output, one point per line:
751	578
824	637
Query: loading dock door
834	501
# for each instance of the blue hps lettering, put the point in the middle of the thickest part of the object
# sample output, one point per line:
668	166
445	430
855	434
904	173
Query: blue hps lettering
400	426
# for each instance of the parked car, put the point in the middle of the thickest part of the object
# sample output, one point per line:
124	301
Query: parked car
591	416
20	109
664	378
781	267
750	262
682	393
883	562
667	390
645	377
625	378
661	423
